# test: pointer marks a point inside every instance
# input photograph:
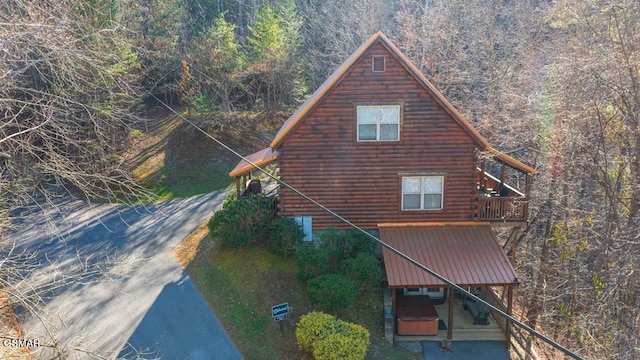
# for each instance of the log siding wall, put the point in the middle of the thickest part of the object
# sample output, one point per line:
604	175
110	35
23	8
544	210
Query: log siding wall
362	181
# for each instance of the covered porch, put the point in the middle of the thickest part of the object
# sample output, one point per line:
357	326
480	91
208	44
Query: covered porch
463	328
467	254
243	171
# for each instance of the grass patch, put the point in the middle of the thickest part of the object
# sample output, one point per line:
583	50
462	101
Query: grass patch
189	179
241	285
175	160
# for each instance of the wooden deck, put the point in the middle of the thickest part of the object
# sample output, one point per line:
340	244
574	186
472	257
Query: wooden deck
508	209
463	327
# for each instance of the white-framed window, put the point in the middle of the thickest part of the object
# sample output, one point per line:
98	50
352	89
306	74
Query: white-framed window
434	293
378	123
422	192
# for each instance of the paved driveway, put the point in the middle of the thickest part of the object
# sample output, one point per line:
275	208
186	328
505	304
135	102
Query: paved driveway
110	285
466	350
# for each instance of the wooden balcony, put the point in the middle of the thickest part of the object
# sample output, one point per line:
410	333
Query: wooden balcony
500	202
502	208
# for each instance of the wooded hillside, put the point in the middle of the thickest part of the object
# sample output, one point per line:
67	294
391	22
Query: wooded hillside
554	83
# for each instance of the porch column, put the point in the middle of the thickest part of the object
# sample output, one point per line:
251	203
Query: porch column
393	312
244	181
507	326
450	318
388	315
238	187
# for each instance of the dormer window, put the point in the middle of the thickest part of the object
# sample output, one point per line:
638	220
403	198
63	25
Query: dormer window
378	123
378	64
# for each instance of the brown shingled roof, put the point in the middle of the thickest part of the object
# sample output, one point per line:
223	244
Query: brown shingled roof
467	254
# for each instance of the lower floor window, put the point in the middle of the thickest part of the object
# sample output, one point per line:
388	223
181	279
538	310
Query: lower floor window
422	192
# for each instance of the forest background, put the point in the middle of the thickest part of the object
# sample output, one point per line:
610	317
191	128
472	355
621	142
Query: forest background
554	83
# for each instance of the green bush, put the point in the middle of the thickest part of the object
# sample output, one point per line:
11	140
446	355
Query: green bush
339	347
332	291
329	338
284	236
241	221
344	244
364	270
312	261
312	327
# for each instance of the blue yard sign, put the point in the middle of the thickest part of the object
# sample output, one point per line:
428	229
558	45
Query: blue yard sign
280	311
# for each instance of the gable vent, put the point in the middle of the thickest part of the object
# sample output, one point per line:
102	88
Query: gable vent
378	63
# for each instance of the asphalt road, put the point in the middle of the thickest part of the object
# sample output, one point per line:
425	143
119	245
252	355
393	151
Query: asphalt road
110	286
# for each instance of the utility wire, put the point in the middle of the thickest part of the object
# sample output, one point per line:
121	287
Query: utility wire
376	239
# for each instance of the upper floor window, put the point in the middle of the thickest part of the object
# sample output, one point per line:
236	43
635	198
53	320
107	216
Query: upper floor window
422	192
378	123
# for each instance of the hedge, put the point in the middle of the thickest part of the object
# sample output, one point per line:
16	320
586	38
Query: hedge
284	236
329	338
332	291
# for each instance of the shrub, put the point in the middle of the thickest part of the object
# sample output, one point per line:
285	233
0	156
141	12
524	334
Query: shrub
344	244
364	270
329	338
284	236
241	221
331	291
312	261
339	347
312	327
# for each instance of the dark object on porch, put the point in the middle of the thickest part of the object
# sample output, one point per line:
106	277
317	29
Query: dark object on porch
441	325
478	310
252	187
416	315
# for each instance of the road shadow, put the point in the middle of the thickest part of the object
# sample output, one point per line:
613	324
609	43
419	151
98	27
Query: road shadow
96	259
81	243
179	325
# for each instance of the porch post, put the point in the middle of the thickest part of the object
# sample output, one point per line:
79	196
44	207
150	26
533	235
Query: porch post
450	318
244	181
393	313
525	206
507	326
513	251
238	187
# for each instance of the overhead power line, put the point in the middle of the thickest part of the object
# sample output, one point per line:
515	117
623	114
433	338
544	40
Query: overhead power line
376	239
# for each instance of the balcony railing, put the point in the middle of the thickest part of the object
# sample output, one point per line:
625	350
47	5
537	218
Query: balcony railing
501	208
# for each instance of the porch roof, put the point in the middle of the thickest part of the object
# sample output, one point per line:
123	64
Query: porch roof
468	254
260	158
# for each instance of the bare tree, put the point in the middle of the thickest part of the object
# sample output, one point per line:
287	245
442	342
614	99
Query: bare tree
591	146
481	55
67	97
333	29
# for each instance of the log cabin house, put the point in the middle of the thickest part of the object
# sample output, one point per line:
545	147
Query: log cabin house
378	144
